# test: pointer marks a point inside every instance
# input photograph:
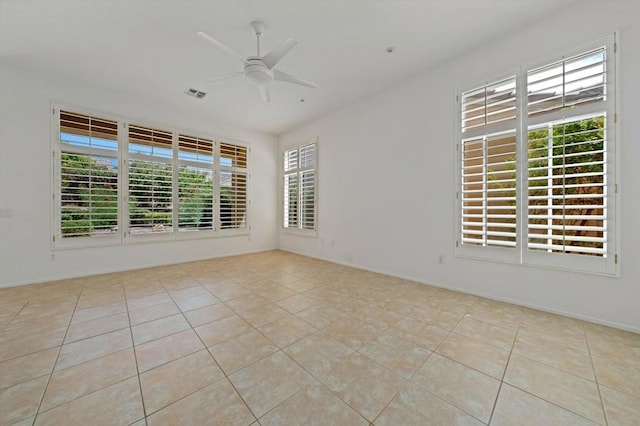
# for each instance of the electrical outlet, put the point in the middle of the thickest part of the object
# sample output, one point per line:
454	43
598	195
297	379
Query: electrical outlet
6	213
441	259
52	257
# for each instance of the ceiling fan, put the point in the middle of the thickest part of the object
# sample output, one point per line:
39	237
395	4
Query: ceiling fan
260	70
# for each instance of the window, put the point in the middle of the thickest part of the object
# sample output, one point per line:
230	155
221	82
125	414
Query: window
233	186
299	187
555	207
150	180
87	168
117	181
195	183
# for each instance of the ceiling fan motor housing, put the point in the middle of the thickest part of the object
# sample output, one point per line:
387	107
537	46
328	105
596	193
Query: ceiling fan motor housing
257	72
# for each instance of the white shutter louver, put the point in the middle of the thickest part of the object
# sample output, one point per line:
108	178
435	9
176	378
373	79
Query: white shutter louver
233	186
489	190
576	80
300	188
88	176
567	208
150	180
488	212
291	200
489	105
195	183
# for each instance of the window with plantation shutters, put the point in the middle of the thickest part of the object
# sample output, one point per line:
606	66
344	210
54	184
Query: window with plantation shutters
234	175
117	181
87	177
488	216
489	190
150	180
537	165
195	183
568	140
567	171
299	187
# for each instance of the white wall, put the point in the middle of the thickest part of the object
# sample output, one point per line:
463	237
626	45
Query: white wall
387	173
25	181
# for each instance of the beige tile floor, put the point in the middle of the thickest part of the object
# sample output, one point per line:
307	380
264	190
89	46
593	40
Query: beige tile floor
279	339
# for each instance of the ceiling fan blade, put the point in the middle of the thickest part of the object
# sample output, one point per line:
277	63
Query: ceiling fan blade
264	91
225	76
288	78
278	52
220	45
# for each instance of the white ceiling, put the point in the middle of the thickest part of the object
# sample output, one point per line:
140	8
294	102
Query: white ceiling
150	48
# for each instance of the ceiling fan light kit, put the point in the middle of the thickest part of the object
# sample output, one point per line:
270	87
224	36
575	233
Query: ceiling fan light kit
259	70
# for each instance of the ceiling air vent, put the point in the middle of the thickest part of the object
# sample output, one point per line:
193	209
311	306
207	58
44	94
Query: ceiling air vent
195	93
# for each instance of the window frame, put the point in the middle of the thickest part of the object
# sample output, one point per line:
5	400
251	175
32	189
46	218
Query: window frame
219	168
607	265
313	233
57	241
123	236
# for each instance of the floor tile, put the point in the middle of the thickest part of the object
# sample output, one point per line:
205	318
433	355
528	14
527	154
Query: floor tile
352	333
616	376
16	344
363	384
194	302
499	337
270	381
238	352
21	401
120	403
287	331
94	347
228	291
416	406
573	338
83	330
620	408
162	327
397	354
473	353
170	382
296	303
559	356
563	389
414	354
165	349
313	405
74	382
319	354
208	314
99	312
264	314
531	411
466	388
218	331
244	303
274	292
421	333
320	315
153	312
148	301
27	367
216	404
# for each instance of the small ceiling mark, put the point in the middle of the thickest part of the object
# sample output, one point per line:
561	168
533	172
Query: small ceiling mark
195	93
390	49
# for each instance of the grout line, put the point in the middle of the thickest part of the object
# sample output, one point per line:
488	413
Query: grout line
504	373
593	366
135	356
59	352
